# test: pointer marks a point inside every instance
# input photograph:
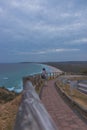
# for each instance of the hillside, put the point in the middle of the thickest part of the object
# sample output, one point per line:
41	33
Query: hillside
9	103
73	66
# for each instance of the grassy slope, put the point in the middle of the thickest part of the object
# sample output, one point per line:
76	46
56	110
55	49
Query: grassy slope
9	103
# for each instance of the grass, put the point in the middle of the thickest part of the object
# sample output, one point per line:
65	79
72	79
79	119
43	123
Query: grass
76	95
8	112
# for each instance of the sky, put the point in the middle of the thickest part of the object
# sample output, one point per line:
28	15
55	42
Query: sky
43	30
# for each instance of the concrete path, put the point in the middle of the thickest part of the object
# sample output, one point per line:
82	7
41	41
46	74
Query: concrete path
61	113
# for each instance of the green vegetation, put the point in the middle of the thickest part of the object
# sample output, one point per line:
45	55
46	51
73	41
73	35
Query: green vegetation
75	67
6	95
84	72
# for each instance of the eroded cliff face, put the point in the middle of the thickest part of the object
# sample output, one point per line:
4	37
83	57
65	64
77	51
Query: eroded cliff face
9	103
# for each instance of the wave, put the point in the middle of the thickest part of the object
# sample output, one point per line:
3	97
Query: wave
5	78
10	88
11	78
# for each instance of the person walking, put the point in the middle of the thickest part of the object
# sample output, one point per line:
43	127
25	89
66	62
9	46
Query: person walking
44	76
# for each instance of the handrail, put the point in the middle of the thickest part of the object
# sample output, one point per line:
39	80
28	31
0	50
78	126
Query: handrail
32	114
37	80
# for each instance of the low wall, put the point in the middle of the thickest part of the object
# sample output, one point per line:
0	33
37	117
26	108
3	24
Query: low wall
32	114
38	82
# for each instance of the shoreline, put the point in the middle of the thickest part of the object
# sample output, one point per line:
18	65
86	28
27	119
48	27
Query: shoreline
19	87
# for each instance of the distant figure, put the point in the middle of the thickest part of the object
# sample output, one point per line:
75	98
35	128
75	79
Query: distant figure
44	75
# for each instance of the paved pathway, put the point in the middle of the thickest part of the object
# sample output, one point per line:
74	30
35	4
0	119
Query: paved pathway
61	113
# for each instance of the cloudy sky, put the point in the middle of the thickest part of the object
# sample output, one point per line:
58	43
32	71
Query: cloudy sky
43	30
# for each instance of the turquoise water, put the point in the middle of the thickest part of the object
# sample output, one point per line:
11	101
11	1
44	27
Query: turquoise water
11	74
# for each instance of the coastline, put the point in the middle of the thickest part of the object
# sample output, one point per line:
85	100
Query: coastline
18	86
51	68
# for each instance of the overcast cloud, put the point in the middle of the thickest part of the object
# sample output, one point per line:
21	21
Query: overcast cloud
43	30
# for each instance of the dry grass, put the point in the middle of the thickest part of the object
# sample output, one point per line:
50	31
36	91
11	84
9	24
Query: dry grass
8	113
76	95
78	78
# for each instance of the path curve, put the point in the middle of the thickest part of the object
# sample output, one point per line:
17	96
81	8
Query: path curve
61	113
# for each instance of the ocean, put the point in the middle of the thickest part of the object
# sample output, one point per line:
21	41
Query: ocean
11	74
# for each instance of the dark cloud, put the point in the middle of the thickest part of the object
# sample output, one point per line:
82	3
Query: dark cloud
41	27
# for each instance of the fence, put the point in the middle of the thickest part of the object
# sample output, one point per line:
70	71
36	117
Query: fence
32	114
37	81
